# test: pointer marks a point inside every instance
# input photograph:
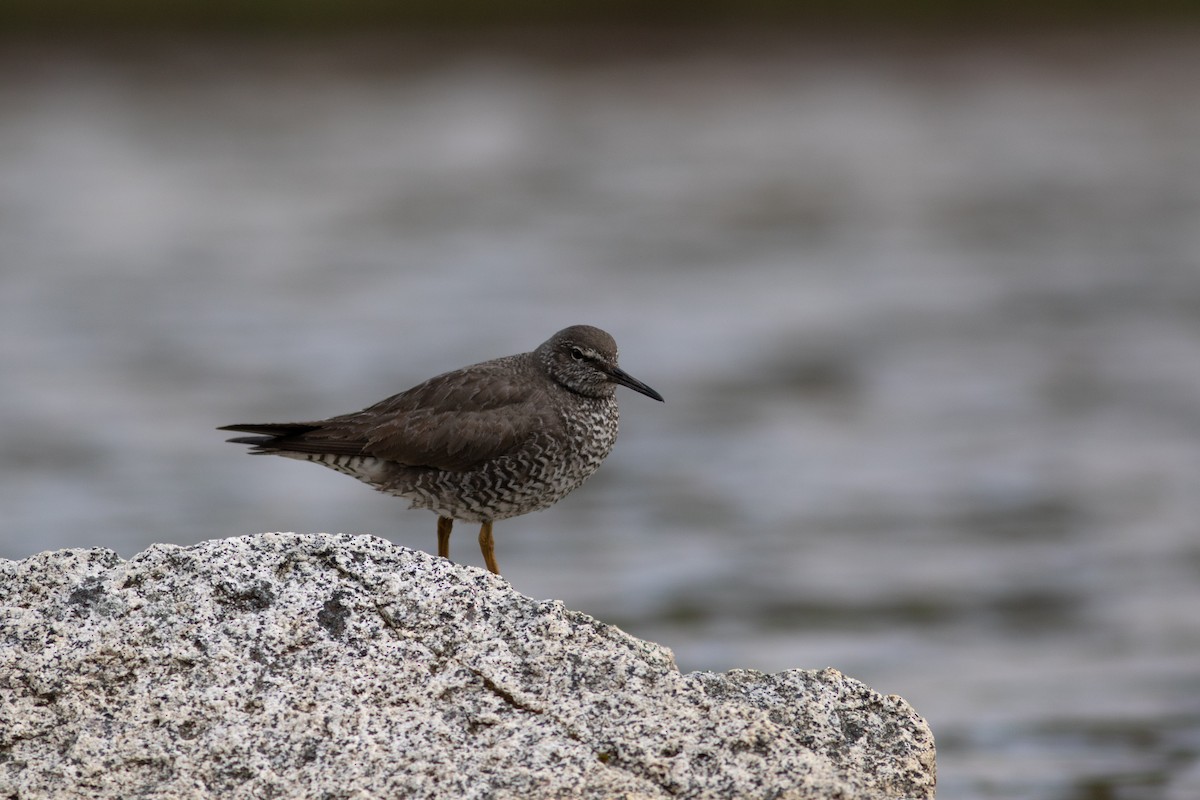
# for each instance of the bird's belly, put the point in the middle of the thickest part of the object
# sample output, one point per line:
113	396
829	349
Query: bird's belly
532	479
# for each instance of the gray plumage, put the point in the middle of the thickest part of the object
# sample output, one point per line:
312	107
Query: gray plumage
487	442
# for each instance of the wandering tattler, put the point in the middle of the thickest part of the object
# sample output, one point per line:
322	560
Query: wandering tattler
490	441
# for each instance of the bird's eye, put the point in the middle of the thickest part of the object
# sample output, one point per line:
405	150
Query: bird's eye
576	354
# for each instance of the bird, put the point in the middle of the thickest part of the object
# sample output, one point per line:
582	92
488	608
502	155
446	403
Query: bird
484	443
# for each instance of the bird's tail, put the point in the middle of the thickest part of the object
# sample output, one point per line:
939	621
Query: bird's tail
274	436
287	438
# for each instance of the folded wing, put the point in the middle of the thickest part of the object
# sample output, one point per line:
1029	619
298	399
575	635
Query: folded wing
455	421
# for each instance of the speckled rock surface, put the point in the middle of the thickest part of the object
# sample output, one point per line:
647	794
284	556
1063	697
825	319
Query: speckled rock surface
283	665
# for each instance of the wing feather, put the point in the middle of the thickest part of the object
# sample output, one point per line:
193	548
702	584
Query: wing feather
455	421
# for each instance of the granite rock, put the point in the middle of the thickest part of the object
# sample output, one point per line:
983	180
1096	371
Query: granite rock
284	665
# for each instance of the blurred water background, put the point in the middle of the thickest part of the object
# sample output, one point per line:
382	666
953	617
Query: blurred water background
925	311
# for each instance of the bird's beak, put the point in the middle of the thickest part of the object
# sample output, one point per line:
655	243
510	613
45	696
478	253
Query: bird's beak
622	377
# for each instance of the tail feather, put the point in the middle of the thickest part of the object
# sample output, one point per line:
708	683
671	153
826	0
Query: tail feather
260	444
272	428
289	437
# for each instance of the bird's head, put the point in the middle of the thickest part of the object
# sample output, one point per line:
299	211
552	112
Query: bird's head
584	360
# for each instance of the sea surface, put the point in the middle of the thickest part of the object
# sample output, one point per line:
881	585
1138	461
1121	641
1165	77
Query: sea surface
925	313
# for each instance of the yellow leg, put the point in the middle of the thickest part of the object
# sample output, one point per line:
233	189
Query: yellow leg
488	545
444	526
